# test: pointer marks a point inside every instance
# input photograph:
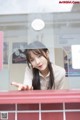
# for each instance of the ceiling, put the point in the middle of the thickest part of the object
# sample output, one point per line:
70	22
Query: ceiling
33	6
56	19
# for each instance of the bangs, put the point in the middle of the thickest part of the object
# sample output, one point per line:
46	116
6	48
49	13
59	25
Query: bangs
35	51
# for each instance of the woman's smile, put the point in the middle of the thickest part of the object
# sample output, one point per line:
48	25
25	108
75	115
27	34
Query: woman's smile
40	66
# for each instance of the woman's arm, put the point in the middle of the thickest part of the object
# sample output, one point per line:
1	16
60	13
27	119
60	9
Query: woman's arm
27	83
21	86
60	79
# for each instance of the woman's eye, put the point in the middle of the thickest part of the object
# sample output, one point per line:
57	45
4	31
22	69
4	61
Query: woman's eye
39	55
31	60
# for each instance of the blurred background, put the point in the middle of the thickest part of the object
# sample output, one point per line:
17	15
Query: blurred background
60	32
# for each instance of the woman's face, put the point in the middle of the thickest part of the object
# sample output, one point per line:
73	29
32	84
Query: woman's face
39	61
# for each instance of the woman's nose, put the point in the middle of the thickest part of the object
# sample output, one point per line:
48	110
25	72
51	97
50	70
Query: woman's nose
37	61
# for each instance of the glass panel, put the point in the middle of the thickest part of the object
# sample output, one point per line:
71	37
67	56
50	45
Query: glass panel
61	31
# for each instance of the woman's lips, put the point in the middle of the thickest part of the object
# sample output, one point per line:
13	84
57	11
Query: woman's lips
40	66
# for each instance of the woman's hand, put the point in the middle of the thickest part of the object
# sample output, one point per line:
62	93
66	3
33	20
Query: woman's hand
22	86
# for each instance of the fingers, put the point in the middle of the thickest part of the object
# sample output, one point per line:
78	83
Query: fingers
21	86
15	84
26	87
29	88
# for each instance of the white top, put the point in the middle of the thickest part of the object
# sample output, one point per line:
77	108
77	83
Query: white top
59	78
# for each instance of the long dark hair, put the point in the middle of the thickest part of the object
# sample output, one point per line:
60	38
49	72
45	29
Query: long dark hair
36	78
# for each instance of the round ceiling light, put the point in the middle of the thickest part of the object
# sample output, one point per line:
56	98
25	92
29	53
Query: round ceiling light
38	24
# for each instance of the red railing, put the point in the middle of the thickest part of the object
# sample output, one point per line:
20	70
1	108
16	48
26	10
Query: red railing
40	96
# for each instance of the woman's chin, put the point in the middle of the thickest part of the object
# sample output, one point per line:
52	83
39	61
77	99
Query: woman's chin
42	69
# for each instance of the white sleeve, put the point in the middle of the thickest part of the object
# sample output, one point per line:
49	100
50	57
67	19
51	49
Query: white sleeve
28	77
60	79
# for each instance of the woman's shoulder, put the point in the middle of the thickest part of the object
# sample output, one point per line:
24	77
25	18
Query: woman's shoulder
28	69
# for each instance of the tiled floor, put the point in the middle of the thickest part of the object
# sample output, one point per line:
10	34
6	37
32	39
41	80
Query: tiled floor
50	111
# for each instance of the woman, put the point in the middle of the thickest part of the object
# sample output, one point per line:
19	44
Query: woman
40	73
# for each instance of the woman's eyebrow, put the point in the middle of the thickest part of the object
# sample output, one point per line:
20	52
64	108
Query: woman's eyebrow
31	57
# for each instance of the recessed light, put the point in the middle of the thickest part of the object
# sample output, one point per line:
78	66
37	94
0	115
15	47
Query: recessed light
38	24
